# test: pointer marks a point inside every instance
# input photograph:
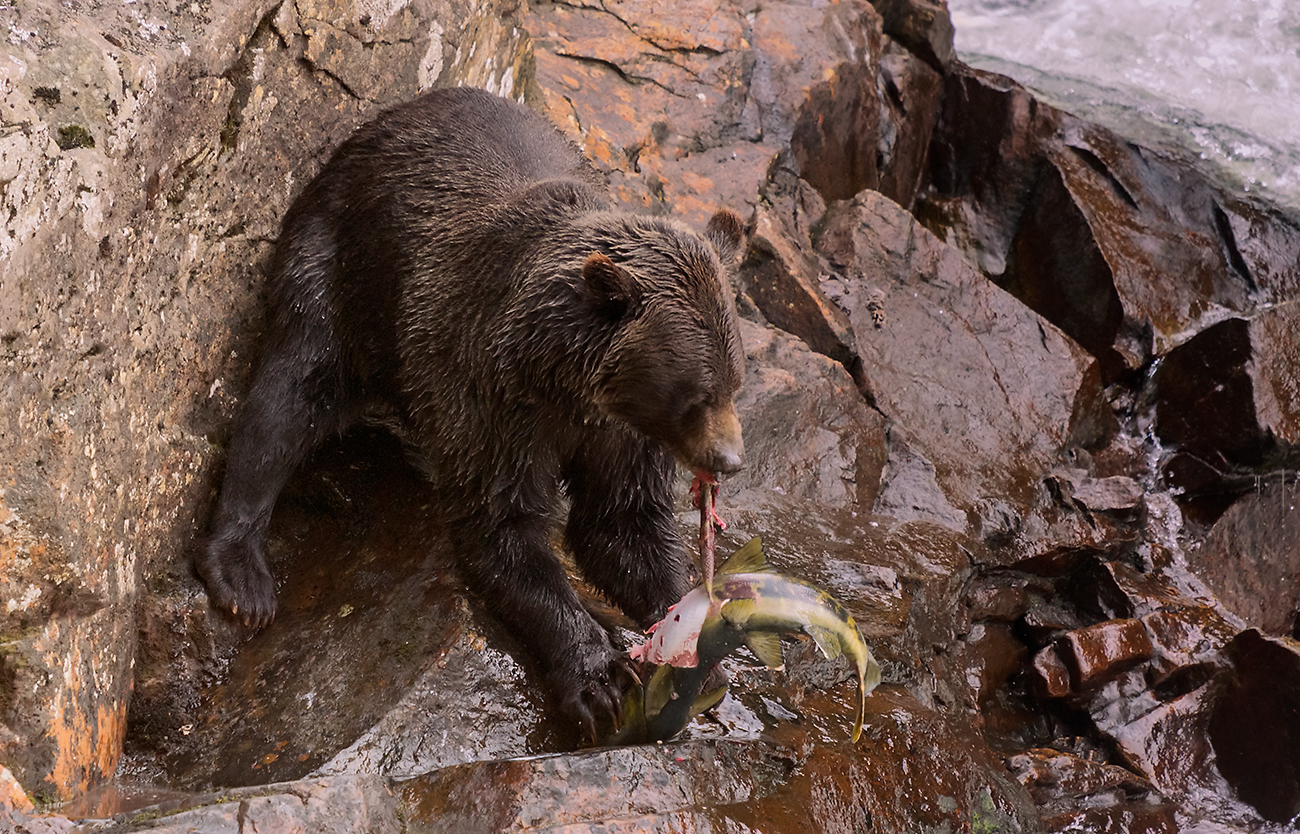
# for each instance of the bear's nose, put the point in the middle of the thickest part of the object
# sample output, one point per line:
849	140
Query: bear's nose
728	462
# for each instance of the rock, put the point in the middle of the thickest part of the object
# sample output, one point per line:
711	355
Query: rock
912	771
337	805
1253	728
998	603
1043	385
1227	400
1051	678
785	782
1129	251
369	603
12	795
129	309
923	26
685	113
1053	775
1118	493
808	434
782	275
22	823
655	787
1141	817
910	107
1251	559
1102	652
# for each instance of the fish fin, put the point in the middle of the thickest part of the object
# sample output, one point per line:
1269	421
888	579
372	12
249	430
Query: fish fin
766	646
868	679
825	639
658	690
708	701
748	559
738	611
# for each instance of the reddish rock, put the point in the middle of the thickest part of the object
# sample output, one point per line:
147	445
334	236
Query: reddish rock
1102	652
1186	641
1053	775
1251	558
808	434
661	786
1124	818
913	770
910	109
686	111
1043	385
1051	677
782	274
996	603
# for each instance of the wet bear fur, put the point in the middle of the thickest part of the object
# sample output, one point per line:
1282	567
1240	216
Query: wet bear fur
456	272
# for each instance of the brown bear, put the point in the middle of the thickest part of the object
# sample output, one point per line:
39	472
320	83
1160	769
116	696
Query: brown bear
457	273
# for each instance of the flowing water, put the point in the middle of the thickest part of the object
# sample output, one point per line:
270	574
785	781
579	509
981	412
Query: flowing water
1220	78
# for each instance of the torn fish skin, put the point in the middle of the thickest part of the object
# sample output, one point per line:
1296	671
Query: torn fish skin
751	605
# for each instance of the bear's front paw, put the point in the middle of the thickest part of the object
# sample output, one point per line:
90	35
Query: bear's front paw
238	581
591	689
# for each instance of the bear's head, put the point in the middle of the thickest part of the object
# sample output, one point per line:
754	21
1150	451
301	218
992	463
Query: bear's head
675	363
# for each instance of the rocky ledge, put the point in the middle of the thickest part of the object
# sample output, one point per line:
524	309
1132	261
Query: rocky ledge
1021	393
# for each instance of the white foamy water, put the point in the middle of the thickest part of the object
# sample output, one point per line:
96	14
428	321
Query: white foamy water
1219	77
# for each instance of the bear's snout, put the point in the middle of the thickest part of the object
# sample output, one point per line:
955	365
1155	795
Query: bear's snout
723	449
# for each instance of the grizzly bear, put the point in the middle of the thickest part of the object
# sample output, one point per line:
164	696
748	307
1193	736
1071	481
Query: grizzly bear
456	272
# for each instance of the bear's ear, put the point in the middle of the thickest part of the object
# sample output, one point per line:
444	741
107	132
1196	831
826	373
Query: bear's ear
726	231
611	285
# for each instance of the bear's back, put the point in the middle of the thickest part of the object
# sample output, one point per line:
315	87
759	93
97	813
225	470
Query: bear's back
456	149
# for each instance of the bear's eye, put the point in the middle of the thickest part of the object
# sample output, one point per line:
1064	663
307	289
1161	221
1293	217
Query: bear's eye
694	410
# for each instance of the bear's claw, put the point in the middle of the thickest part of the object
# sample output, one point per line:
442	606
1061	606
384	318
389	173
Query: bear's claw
239	582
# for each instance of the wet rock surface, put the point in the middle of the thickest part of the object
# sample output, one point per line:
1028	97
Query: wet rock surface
1021	394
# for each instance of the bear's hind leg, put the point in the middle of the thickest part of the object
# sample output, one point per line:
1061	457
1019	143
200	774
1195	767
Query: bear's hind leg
296	401
621	527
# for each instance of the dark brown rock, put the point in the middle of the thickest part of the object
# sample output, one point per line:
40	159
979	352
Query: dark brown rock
923	26
1251	558
997	603
1227	398
994	654
1053	775
1206	403
782	274
834	144
1253	725
911	771
1129	251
